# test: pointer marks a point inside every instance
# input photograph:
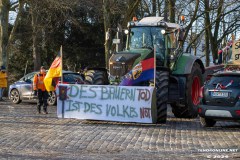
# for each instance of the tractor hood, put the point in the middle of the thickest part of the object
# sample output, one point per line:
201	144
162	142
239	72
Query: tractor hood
123	62
124	57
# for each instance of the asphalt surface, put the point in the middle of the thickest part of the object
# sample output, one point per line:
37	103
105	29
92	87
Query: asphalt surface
24	134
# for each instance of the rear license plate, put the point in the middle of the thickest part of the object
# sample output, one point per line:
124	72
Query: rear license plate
220	94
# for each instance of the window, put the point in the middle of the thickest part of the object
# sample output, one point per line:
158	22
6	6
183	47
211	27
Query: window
72	78
225	80
144	37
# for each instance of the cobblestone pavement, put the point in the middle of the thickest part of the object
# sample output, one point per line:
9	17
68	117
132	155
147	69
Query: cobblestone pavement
27	135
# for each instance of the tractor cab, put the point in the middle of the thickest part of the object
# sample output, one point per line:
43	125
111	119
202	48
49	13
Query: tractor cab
155	34
150	37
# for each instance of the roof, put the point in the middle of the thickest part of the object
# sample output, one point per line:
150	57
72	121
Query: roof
226	73
64	71
68	71
150	20
156	21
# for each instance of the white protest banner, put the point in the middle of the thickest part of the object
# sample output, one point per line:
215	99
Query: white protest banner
105	102
236	52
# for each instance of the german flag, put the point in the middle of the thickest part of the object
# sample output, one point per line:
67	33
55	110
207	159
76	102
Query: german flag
54	71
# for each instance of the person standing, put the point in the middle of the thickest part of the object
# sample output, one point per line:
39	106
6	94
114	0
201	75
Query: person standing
40	90
3	81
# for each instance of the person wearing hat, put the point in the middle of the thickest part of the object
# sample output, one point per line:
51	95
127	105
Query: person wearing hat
40	90
3	81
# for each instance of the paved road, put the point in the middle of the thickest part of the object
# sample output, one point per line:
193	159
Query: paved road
27	135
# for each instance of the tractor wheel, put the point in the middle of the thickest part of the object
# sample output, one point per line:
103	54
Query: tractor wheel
193	86
162	78
96	77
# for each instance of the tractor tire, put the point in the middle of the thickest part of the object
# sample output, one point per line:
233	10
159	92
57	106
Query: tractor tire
193	85
96	77
162	78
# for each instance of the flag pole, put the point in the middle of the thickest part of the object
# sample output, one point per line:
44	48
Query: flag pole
61	54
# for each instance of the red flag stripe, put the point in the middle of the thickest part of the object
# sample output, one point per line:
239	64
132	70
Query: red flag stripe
148	64
56	63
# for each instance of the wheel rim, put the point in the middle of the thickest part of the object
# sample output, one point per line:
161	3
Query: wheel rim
51	99
195	90
14	96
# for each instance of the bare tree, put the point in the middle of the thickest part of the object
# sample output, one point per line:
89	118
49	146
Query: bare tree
46	16
154	7
6	36
109	10
4	12
171	8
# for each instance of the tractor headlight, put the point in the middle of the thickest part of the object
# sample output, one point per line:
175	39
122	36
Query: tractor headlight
163	31
126	31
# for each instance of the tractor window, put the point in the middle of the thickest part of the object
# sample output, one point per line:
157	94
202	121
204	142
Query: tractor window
148	37
145	37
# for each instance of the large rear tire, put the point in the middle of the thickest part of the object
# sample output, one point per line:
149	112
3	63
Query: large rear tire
162	78
96	77
193	86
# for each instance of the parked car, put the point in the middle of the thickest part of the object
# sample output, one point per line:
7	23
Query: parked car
220	99
23	88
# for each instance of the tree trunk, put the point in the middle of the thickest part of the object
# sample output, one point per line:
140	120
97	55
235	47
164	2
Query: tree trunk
36	36
195	50
159	8
171	7
207	47
4	11
213	38
166	11
154	7
1	33
107	26
214	42
20	10
141	7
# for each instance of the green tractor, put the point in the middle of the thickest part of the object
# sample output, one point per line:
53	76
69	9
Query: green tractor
153	57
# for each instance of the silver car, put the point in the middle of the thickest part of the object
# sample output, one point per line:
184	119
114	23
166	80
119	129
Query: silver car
23	88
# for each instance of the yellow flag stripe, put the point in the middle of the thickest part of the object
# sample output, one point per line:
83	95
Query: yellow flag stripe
52	73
